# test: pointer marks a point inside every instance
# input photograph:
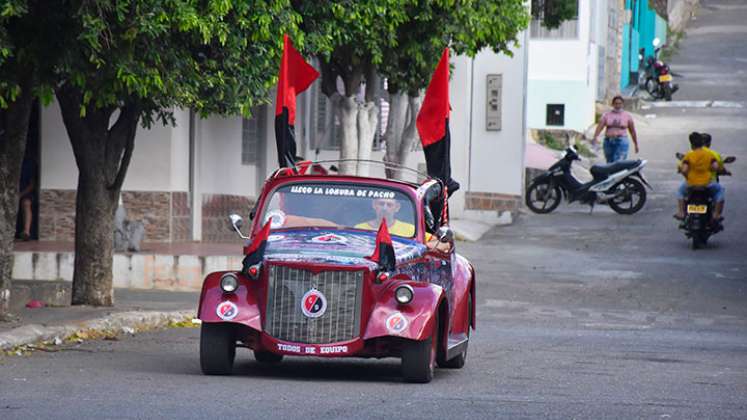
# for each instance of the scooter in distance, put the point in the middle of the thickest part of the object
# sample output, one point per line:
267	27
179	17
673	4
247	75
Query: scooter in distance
619	185
656	77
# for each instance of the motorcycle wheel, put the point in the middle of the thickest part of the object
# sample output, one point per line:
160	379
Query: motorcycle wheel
699	240
651	87
667	92
542	198
629	196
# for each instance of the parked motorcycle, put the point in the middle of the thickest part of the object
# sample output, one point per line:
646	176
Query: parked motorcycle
619	185
656	76
699	204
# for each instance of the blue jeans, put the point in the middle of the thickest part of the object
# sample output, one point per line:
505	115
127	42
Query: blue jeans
615	148
714	188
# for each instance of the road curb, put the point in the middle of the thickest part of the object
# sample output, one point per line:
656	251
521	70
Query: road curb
118	322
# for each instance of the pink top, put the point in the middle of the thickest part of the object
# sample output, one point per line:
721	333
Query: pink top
617	123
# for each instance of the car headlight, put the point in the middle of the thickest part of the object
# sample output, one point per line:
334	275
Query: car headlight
404	294
229	282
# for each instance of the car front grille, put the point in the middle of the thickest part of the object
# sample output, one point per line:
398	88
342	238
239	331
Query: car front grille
285	319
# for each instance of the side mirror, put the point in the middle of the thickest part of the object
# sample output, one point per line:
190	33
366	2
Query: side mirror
236	223
656	42
729	159
445	234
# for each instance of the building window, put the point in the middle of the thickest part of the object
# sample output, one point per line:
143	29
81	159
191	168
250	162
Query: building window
253	131
555	115
554	19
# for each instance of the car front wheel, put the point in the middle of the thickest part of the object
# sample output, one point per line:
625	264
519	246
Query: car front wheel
217	348
419	358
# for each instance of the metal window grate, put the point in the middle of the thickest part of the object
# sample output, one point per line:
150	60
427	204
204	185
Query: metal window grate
253	131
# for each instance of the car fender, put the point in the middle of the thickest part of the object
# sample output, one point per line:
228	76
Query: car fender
245	299
417	317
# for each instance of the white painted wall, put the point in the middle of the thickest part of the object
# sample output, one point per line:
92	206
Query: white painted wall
563	71
150	168
497	157
180	152
221	171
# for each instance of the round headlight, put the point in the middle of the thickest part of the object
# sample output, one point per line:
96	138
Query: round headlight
229	282
404	294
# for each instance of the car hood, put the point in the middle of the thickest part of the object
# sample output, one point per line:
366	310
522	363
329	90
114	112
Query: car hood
333	246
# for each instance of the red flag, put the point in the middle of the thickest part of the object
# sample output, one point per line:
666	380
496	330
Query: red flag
433	126
435	109
296	75
256	250
383	250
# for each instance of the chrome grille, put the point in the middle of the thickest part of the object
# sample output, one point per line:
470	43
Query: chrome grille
285	320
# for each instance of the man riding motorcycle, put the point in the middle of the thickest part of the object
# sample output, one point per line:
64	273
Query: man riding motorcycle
700	167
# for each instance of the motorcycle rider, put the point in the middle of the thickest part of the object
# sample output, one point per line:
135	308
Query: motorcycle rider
721	168
698	167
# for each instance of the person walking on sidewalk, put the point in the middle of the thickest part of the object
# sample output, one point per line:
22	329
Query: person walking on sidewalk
618	123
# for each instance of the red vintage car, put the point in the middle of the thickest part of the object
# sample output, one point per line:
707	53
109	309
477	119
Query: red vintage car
316	291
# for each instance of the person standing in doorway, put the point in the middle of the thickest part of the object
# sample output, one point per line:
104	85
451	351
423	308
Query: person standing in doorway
617	123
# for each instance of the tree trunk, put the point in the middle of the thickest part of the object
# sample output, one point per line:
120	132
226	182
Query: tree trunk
401	132
14	124
103	155
349	134
368	118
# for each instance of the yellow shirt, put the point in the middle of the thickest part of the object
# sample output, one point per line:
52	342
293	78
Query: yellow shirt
699	163
398	228
720	161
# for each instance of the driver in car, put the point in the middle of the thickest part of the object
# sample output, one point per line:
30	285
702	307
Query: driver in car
387	208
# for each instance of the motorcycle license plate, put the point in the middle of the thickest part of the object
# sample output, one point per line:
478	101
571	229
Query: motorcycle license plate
665	78
697	208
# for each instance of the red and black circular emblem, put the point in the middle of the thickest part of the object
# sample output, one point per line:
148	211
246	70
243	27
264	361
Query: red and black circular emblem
227	310
313	304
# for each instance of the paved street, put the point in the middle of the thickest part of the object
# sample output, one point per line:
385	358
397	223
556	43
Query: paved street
579	315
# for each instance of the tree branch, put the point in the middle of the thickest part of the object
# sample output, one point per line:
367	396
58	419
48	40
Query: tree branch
122	134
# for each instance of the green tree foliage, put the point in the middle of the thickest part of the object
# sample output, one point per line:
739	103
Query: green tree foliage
466	26
125	62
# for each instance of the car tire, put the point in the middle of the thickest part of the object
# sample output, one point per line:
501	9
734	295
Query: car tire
419	359
267	357
217	348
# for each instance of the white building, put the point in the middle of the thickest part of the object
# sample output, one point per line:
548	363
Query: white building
569	66
184	180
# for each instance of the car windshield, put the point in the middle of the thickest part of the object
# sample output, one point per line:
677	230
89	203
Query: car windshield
340	205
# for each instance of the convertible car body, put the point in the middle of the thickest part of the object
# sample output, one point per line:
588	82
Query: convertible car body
316	291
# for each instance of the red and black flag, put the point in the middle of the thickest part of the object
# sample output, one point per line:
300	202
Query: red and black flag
433	125
256	250
384	250
296	75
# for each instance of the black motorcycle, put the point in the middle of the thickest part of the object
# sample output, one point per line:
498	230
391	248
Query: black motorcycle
698	224
656	76
619	185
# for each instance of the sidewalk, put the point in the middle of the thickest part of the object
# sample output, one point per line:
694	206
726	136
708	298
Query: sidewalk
134	310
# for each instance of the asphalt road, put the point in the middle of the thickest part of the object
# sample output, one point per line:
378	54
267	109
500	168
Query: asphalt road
579	315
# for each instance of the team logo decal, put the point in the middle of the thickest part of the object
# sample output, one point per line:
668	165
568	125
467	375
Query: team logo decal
313	304
396	323
227	310
330	238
